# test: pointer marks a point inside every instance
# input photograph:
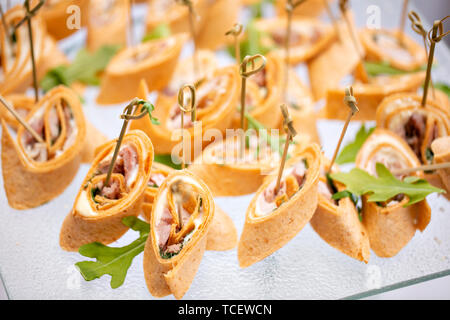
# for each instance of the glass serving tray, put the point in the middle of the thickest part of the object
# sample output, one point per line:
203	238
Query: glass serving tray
33	266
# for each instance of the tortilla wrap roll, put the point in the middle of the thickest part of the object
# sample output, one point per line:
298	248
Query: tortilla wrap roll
107	23
98	210
309	8
22	104
339	54
309	37
390	225
382	45
441	151
216	97
153	61
301	108
218	17
337	221
370	95
56	15
34	172
16	61
272	220
227	174
181	219
418	126
222	234
263	94
184	71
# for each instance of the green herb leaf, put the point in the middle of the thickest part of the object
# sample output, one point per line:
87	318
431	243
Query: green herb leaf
384	68
150	108
114	261
167	160
385	186
349	152
162	30
443	87
84	68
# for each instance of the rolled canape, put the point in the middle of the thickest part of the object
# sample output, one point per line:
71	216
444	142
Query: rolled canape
218	15
382	45
60	16
263	94
184	71
107	23
16	58
390	225
180	221
370	95
337	221
273	219
340	54
36	172
222	234
301	108
21	103
98	210
441	152
154	61
216	97
228	174
418	126
308	38
310	8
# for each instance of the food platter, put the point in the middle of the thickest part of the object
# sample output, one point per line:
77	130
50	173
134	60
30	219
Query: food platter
33	266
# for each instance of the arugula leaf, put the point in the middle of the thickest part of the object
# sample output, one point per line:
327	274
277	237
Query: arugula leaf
162	30
385	186
84	68
167	160
349	152
150	108
443	87
252	44
384	68
114	261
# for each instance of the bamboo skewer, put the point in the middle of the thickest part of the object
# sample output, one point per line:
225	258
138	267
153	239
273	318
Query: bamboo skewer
291	133
290	6
429	167
417	26
333	20
21	121
184	108
190	6
434	38
350	101
235	32
402	22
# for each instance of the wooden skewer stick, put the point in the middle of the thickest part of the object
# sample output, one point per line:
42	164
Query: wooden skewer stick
402	23
244	75
29	15
417	26
235	32
434	38
350	101
333	20
126	116
192	14
291	133
428	167
21	121
186	108
290	6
